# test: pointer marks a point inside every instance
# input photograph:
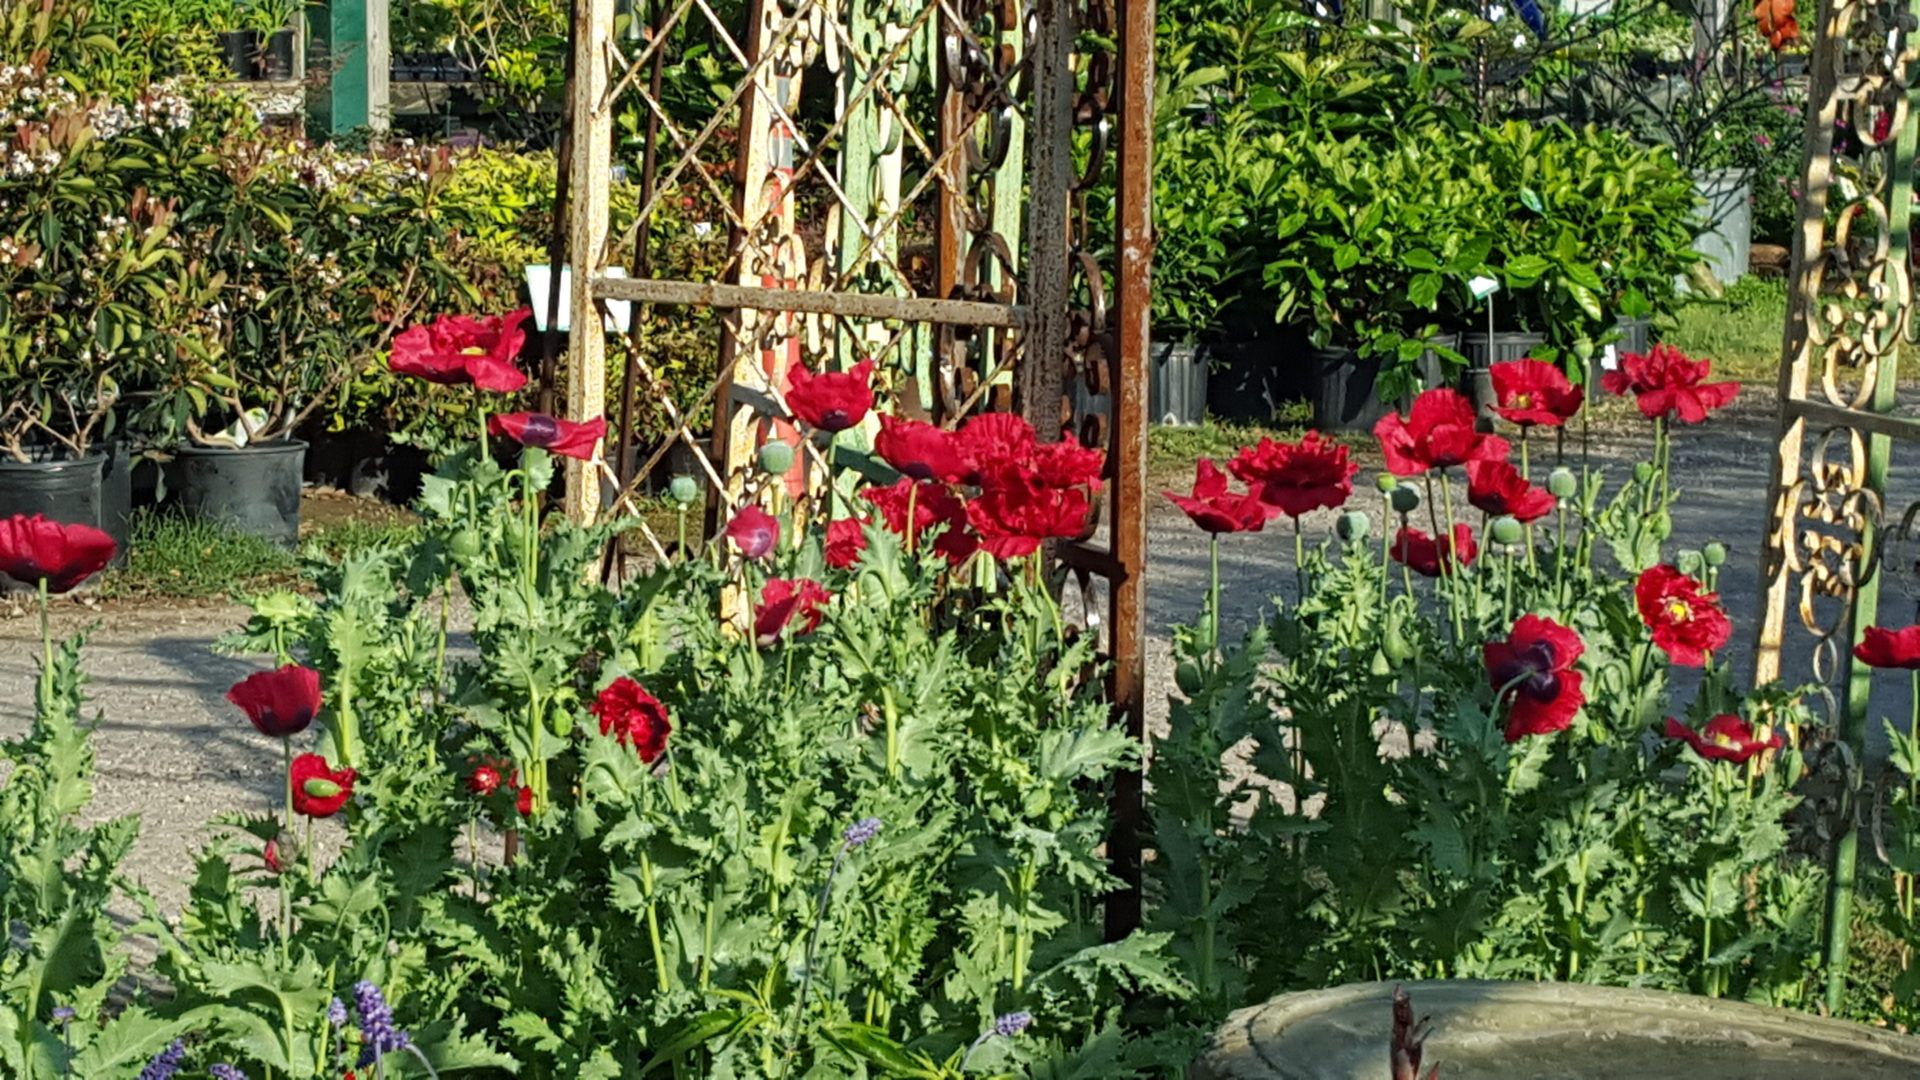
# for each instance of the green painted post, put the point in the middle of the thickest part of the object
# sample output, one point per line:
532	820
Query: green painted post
858	159
359	57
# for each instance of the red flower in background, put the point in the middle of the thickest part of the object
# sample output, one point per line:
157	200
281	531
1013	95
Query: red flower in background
280	703
1665	382
1532	672
1067	464
1774	19
34	549
1437	432
270	855
846	539
1883	648
1429	557
782	600
921	451
1296	478
1687	622
319	791
998	445
634	717
1725	738
484	780
1533	391
1214	508
1496	487
457	350
1014	519
563	437
932	504
523	801
754	532
831	400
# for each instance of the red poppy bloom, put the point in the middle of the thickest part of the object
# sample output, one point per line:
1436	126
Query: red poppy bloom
484	780
456	350
271	856
1429	557
1294	478
1437	432
563	437
1883	648
280	703
1533	391
932	504
1725	738
1532	672
784	599
633	716
832	400
1067	464
1015	518
999	445
1496	487
921	451
1687	623
846	539
754	532
319	791
34	549
1665	382
523	801
1214	508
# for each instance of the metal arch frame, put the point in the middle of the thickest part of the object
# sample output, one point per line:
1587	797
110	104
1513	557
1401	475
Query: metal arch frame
1059	325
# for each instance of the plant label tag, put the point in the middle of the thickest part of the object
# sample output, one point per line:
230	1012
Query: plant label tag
619	318
1609	358
1483	287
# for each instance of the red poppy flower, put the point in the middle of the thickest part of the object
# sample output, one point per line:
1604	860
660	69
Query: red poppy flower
1883	648
846	539
1015	518
784	599
1496	487
34	549
1725	738
1067	464
523	801
1533	391
999	446
456	350
280	703
1532	671
1437	432
754	532
633	716
1665	382
1214	508
1295	478
1687	623
484	780
933	504
563	437
833	400
921	451
1429	557
319	791
270	855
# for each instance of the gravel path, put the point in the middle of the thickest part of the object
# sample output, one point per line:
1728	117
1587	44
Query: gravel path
173	751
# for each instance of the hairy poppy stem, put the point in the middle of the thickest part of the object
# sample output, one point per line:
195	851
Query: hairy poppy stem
46	648
1213	590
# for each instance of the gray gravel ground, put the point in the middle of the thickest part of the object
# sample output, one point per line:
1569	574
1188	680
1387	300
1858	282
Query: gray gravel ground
173	751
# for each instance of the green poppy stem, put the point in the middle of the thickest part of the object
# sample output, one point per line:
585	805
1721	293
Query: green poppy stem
46	647
1213	590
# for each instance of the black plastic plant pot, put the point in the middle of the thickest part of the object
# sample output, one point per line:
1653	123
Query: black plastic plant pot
254	490
116	497
1346	396
66	490
276	57
240	49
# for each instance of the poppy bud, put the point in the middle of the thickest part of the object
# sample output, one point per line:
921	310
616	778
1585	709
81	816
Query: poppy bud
1562	483
1187	678
1715	553
1386	482
1583	348
776	458
1380	666
1662	525
1405	500
1643	471
1506	530
1352	526
1394	644
683	489
465	544
317	788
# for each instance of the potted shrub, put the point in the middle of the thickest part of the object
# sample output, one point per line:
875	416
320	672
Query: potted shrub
270	24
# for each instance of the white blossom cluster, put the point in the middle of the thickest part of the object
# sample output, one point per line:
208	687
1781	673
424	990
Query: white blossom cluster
10	251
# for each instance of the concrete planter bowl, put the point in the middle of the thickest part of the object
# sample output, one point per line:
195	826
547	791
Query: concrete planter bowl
1548	1031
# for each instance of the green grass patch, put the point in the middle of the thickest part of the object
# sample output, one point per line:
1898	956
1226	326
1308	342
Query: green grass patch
1740	333
340	539
171	555
1172	451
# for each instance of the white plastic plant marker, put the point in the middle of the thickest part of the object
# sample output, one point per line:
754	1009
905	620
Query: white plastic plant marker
1483	287
1609	358
540	280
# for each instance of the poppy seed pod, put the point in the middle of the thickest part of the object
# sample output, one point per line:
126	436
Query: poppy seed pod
1506	530
1352	527
776	458
1386	482
1187	678
1562	483
1715	553
1405	500
683	489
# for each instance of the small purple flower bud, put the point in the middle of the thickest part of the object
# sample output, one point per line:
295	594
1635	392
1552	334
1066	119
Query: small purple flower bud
861	831
337	1013
224	1071
62	1015
166	1062
1010	1024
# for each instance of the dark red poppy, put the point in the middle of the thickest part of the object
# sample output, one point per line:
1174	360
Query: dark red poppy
921	451
280	703
34	549
1687	622
523	801
932	504
457	350
1014	518
1436	433
1215	509
832	400
1665	382
1531	392
563	437
846	539
999	446
782	601
484	780
1532	672
1725	738
1067	464
634	717
1429	557
754	532
1883	648
1496	487
1296	478
319	791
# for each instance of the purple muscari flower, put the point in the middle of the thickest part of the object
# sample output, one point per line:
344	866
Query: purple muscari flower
1010	1024
166	1062
378	1036
223	1071
62	1015
337	1013
861	831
